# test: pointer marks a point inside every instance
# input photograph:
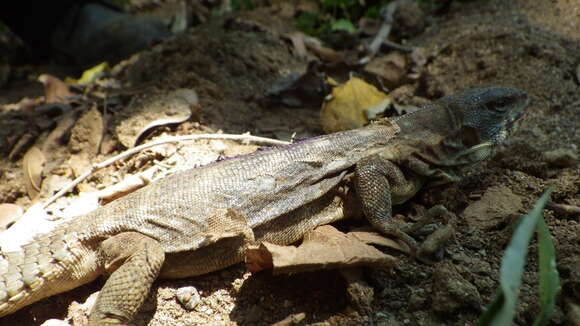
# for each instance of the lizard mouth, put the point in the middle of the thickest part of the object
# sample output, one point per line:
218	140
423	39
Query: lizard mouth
514	122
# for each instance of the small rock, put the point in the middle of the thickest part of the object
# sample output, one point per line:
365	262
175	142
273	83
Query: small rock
359	293
452	292
561	157
494	208
189	297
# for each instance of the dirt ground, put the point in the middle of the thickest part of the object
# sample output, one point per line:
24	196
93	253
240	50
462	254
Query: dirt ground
533	45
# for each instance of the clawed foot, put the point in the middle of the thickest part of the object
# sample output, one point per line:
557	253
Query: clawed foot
435	241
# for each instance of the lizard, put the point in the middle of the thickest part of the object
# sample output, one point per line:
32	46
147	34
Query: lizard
202	219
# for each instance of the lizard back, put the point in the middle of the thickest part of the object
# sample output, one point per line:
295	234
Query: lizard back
179	210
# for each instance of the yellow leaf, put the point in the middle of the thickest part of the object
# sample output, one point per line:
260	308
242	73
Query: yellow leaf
90	74
352	105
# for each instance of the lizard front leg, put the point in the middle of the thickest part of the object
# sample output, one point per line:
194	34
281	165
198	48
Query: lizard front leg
135	260
379	183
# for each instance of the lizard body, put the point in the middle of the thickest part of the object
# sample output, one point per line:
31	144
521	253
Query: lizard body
201	220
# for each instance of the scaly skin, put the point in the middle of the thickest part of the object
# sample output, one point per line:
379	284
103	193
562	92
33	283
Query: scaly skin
201	220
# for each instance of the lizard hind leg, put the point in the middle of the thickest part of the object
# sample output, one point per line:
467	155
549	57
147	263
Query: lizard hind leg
379	184
135	261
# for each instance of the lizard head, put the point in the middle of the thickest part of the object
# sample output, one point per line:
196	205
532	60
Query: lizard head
484	118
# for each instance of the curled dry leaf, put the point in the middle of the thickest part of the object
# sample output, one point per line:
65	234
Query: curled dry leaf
33	164
9	213
55	90
351	105
142	116
323	248
324	53
390	69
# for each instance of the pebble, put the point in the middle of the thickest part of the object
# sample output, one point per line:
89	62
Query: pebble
189	297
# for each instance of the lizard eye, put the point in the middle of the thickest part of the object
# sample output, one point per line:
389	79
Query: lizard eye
499	105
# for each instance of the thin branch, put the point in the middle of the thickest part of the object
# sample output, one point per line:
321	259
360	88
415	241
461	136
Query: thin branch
387	14
98	166
563	208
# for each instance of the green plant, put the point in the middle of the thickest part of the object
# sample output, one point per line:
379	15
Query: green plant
338	16
502	309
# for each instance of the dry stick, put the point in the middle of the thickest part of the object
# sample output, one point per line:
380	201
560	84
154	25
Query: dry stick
563	208
387	14
97	166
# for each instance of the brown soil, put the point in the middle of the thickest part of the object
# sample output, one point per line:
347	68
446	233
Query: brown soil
532	45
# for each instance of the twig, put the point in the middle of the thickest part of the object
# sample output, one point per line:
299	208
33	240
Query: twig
396	46
563	208
97	166
387	14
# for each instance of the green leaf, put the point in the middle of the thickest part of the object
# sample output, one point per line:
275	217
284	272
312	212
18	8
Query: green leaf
343	25
503	308
549	278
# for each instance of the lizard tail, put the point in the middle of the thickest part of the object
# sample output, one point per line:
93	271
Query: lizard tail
51	264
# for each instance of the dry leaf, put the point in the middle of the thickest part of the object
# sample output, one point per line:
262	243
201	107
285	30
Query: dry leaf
323	248
9	213
33	163
142	116
351	105
92	74
324	53
374	238
55	90
390	69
